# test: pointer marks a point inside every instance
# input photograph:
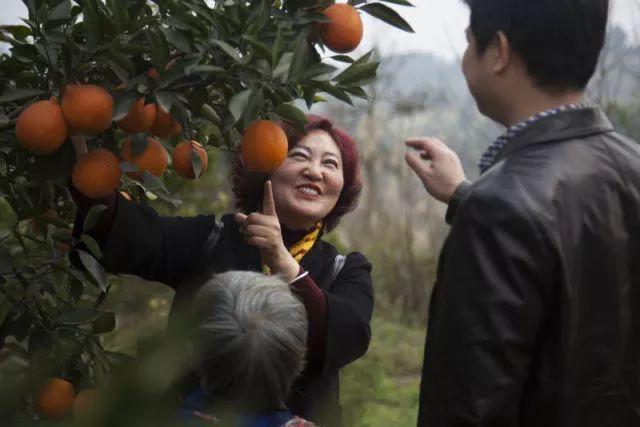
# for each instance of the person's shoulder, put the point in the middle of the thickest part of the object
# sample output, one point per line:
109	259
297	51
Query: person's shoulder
351	258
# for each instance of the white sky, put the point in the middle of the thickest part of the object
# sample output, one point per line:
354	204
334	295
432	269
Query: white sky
439	26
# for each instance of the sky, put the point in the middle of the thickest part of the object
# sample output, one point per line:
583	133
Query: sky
439	26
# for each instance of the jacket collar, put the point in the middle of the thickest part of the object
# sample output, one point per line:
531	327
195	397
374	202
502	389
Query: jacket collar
571	124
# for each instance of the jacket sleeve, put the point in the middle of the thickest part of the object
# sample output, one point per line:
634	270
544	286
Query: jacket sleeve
486	310
349	310
154	247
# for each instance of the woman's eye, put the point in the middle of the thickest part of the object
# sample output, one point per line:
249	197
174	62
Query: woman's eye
331	163
298	155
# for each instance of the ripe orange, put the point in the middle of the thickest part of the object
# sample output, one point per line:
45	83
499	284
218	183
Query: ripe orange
41	127
88	109
140	117
97	173
264	146
55	398
164	125
85	403
182	156
344	31
154	158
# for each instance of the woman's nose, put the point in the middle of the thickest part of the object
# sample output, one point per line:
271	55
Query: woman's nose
313	171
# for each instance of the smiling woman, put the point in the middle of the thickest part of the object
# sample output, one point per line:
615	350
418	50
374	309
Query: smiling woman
278	229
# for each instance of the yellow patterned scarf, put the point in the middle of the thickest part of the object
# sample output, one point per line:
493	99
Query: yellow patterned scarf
300	249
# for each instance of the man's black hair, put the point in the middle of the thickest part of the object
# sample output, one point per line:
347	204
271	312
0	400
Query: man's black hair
559	40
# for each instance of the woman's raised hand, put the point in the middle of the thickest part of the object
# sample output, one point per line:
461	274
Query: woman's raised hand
263	231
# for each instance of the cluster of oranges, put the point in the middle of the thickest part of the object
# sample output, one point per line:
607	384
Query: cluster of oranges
56	399
87	110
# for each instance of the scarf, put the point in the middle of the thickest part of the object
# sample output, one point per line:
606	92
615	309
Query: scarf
299	249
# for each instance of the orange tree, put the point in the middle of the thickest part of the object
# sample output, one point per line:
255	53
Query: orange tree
128	80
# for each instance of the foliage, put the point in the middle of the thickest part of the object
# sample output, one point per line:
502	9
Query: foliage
216	66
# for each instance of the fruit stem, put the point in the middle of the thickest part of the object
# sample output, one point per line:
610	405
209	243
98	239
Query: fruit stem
80	145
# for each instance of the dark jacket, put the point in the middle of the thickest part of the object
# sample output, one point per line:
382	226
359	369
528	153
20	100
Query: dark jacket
183	252
535	316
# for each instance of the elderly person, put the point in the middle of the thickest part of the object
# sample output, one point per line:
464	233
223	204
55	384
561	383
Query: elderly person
250	339
279	228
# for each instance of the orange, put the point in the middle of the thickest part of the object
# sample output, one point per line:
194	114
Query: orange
139	118
41	127
164	125
55	398
85	403
88	109
264	146
182	159
344	31
153	159
97	173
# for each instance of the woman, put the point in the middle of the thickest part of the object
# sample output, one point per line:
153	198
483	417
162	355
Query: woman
250	334
279	230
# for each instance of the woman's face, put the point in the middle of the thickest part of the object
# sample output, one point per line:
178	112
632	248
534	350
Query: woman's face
307	185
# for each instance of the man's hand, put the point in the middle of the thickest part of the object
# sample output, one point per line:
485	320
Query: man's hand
437	166
263	231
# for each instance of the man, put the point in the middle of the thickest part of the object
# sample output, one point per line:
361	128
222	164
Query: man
535	316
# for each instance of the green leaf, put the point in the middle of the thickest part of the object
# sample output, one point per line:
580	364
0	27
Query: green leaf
123	103
196	163
357	91
17	94
159	48
207	111
120	16
334	91
281	71
229	50
238	104
177	38
95	270
261	48
358	73
139	143
204	69
291	113
92	217
152	182
165	100
20	32
77	317
319	69
300	56
91	24
92	245
6	261
388	15
104	323
278	46
342	58
399	2
61	11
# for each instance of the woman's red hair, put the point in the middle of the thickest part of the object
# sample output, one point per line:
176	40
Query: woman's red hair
248	187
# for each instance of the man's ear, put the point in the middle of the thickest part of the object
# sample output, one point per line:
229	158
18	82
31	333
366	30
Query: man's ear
500	53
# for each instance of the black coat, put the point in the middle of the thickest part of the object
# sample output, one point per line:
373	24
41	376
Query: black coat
535	316
182	252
